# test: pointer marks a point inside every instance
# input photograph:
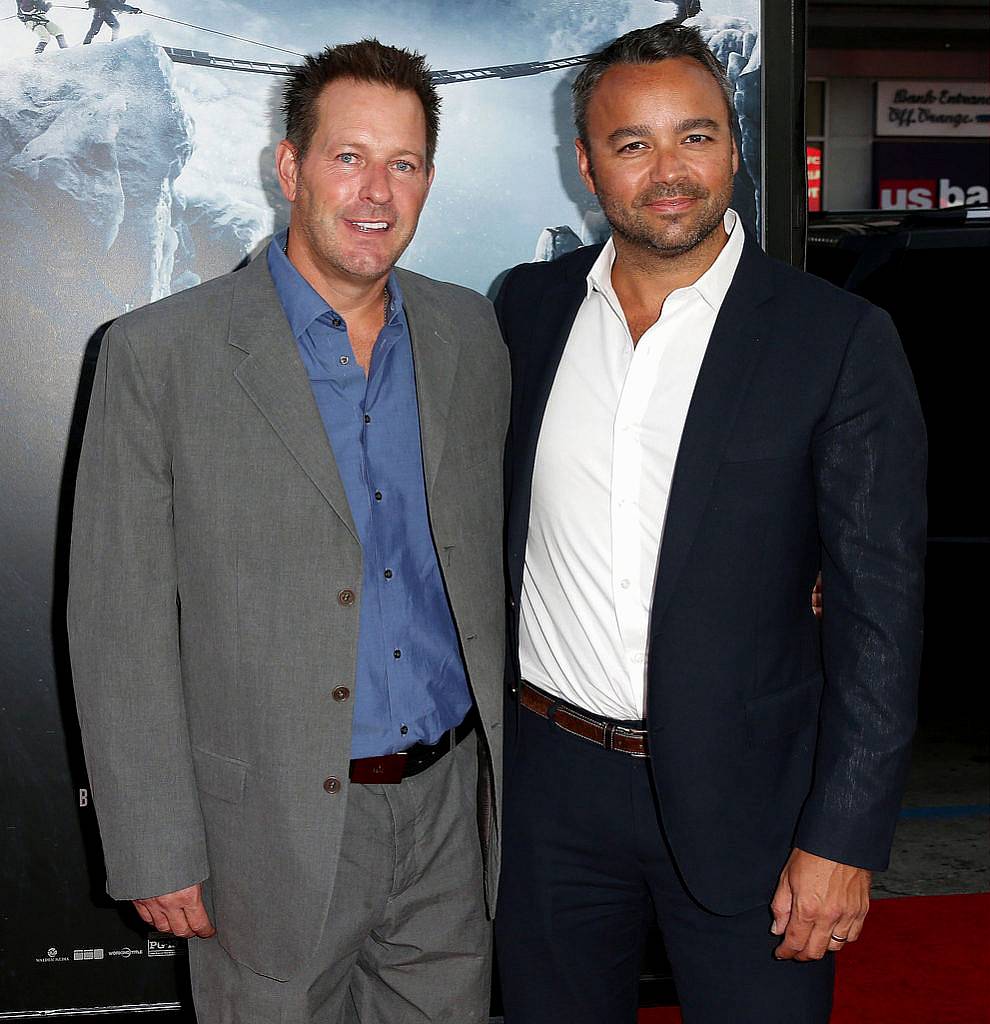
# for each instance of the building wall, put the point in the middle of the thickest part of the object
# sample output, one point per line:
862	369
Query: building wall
850	77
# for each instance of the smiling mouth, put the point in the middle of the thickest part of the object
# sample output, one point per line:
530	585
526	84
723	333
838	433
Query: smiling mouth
673	204
369	226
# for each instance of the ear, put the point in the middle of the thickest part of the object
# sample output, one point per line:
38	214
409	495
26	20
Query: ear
735	158
287	169
584	166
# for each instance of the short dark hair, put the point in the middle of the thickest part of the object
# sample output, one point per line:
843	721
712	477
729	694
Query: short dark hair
364	61
646	46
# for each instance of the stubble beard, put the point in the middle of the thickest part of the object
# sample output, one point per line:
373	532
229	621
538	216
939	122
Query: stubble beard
674	238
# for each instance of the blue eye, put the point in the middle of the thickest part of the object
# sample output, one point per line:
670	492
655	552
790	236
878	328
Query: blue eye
404	165
347	158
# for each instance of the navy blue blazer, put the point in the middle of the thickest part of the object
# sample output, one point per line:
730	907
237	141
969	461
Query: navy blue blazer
804	449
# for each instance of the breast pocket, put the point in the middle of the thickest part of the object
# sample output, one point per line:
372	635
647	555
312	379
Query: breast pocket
476	452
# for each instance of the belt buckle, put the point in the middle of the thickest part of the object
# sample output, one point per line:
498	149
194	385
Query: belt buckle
386	770
632	734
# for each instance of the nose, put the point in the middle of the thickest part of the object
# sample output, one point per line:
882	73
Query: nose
376	186
668	165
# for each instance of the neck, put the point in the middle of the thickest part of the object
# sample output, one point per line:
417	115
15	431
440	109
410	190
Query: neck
643	277
350	297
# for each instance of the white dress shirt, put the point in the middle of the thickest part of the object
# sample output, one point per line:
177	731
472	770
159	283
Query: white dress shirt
604	465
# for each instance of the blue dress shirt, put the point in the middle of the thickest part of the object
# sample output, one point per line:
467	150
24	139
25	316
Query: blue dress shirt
410	684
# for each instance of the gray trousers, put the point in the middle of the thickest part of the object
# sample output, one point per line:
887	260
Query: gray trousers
407	940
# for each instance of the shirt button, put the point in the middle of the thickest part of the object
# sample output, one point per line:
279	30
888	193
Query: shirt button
331	785
378	495
624	584
336	321
367	418
346	598
388	574
397	654
341	693
344	360
404	729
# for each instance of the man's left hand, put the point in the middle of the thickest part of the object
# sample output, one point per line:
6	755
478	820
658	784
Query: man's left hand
819	905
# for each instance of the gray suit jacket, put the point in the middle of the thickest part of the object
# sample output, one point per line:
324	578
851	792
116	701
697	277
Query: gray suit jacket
209	615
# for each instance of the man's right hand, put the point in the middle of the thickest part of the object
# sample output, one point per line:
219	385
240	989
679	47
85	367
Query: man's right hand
182	913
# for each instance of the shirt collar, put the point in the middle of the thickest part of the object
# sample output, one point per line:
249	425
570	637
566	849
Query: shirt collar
711	286
302	303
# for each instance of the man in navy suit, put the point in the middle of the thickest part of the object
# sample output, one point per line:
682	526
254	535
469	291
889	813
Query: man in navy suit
698	431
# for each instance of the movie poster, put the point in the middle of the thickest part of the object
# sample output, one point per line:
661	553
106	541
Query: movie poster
140	164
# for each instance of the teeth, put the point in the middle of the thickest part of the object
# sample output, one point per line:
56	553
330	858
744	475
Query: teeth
370	225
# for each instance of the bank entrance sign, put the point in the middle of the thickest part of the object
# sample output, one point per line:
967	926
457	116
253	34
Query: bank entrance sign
954	109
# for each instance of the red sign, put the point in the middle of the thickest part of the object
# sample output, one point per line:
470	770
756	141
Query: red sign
814	158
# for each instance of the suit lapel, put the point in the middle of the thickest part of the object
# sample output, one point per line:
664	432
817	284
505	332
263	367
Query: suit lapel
435	348
275	379
724	377
531	388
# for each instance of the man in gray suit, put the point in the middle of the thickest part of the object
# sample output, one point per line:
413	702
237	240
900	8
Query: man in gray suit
285	608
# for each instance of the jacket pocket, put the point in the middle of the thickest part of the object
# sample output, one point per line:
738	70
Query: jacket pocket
784	712
220	776
758	449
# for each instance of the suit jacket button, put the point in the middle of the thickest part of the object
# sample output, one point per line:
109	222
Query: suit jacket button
346	598
341	693
332	785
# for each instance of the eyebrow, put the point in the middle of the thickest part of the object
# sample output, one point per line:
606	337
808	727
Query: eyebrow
631	131
698	122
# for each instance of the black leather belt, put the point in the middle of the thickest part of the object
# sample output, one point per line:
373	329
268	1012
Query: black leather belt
605	732
392	768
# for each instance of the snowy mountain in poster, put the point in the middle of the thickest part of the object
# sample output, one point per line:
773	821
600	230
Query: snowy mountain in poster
201	139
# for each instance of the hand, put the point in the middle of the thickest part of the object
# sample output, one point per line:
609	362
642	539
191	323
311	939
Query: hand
817	900
182	913
816	597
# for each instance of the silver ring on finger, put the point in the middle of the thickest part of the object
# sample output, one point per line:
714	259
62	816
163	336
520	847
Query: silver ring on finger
840	938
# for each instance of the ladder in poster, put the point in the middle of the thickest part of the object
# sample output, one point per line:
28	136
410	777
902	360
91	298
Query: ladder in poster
201	58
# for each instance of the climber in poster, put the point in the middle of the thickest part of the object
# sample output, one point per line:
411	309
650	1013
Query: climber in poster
34	15
104	13
685	9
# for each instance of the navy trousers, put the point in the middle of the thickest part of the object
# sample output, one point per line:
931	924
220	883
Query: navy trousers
586	870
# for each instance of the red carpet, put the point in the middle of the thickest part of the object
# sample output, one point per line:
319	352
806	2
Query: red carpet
921	960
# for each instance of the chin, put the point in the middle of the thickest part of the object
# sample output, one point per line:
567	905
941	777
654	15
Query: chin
676	243
686	237
366	268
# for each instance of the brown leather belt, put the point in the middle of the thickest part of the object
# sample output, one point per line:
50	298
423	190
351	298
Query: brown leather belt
392	768
603	731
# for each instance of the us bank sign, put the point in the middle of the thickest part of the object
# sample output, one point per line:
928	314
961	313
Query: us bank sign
955	109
